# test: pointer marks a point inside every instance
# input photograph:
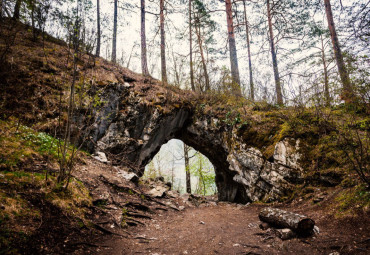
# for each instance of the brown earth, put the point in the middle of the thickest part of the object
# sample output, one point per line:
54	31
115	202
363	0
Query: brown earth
234	229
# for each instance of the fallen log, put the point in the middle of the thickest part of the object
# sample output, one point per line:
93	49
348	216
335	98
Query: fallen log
282	219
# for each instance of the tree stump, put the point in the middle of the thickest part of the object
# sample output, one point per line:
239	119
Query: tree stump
282	219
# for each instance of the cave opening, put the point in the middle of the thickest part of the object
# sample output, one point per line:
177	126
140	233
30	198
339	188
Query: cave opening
177	163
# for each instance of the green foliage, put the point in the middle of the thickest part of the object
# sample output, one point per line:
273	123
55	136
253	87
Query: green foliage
20	143
352	200
201	168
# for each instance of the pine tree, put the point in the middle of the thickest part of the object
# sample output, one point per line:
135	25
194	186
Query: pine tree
251	84
347	94
279	94
191	47
114	46
163	42
144	62
232	49
98	29
17	9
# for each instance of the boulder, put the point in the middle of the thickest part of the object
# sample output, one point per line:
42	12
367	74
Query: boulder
157	192
100	156
132	177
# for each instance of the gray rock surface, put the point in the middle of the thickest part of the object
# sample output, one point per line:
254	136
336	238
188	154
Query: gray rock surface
101	157
133	132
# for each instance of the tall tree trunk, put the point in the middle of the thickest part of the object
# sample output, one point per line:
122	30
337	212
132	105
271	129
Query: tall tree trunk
98	27
176	70
17	9
204	65
1	10
144	62
344	76
114	47
32	2
187	168
201	177
279	95
232	50
163	44
191	48
326	76
251	84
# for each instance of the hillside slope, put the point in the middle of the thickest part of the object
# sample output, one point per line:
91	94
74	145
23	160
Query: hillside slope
35	78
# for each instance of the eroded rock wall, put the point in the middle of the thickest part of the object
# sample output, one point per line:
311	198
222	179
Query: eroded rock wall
131	131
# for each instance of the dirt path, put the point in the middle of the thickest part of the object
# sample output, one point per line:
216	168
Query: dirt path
233	229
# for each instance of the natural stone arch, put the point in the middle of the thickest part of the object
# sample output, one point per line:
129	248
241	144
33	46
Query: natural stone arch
132	132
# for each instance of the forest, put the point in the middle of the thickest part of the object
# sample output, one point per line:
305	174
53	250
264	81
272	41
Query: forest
283	52
239	126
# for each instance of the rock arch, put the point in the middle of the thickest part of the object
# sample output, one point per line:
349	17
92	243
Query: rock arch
131	132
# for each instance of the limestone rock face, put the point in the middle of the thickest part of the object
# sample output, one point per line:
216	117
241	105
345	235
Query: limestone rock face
132	132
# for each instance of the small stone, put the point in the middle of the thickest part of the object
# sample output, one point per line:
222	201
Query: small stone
285	234
252	225
334	253
316	230
131	177
264	226
202	222
236	245
318	199
146	137
158	192
127	85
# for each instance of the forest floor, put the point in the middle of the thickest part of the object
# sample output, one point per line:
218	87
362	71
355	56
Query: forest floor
225	228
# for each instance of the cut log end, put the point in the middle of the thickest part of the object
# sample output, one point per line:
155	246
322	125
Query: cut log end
306	225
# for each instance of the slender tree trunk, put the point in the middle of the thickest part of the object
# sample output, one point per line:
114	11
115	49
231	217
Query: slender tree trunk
98	27
1	10
173	174
191	48
232	49
201	177
163	44
279	95
33	19
17	9
5	10
251	84
114	47
343	73
129	58
187	169
176	70
200	44
326	76
144	62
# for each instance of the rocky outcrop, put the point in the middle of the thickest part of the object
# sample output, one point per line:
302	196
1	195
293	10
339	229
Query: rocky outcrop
131	130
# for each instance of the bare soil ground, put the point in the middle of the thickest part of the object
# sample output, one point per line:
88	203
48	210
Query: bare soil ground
234	229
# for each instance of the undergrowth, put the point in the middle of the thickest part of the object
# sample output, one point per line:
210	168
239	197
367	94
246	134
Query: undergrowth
25	189
352	201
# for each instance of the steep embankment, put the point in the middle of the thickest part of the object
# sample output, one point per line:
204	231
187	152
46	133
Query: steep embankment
259	151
